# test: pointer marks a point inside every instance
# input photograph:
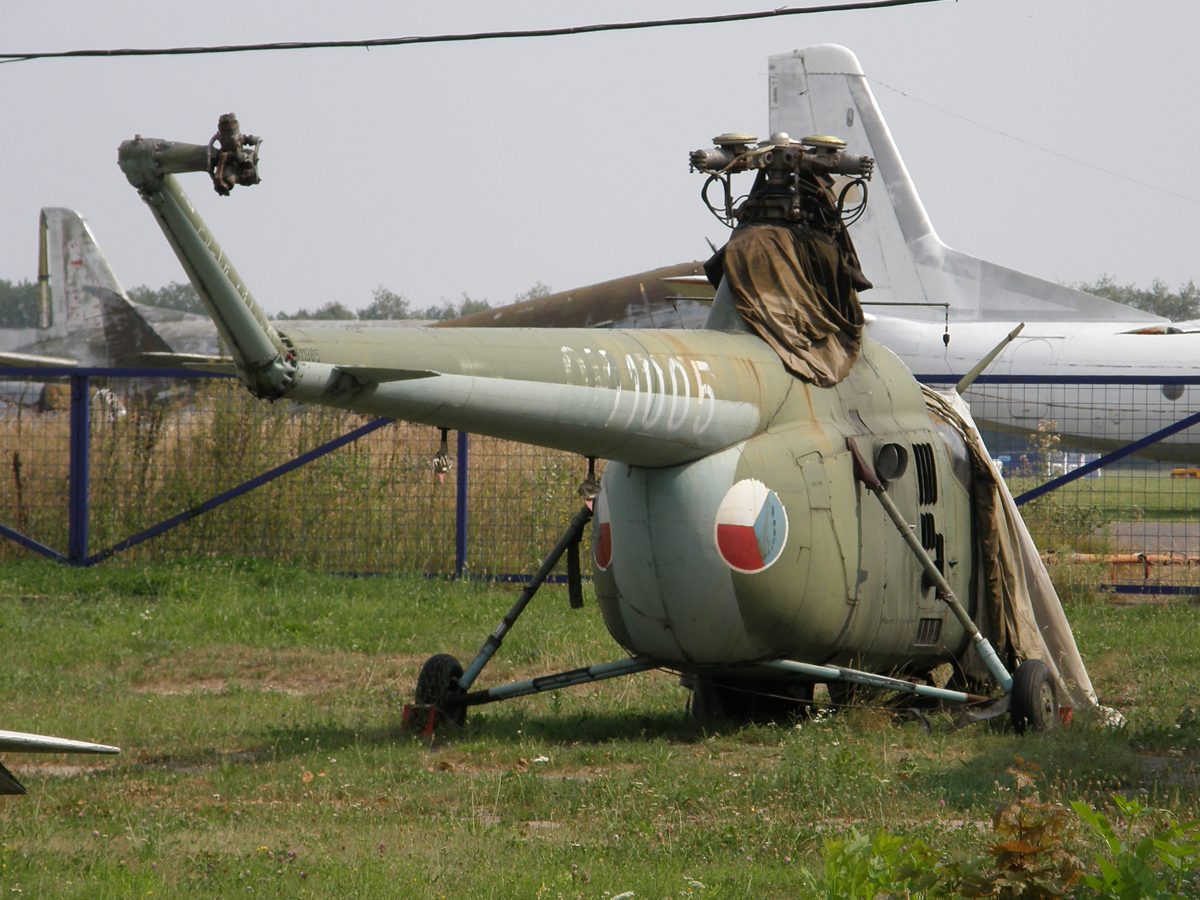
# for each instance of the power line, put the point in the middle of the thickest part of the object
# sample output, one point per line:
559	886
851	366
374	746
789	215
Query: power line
1013	137
455	38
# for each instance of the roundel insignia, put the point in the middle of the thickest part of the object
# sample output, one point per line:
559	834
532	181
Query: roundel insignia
603	552
752	527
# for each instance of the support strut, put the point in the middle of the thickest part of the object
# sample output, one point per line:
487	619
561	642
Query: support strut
570	537
554	682
866	474
855	676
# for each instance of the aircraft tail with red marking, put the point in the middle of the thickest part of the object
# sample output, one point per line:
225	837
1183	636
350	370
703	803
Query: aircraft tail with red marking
821	90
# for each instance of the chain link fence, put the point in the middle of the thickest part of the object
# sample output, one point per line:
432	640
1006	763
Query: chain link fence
1132	526
159	446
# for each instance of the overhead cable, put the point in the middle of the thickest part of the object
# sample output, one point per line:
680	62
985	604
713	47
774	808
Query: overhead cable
454	38
1013	137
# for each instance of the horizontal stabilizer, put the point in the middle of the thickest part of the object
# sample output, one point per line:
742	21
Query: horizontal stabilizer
692	287
32	359
125	331
166	360
383	375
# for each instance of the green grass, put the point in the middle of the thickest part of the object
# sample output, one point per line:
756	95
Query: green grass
257	707
1127	496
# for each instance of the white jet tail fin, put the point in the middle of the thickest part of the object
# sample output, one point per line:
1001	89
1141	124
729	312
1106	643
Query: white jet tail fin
70	262
821	90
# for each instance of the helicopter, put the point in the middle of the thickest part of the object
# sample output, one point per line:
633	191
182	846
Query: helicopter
782	505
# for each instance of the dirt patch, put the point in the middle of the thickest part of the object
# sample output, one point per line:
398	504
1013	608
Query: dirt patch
56	769
292	672
1173	768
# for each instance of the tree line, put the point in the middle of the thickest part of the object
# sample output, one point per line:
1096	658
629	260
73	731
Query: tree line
1178	306
385	305
18	302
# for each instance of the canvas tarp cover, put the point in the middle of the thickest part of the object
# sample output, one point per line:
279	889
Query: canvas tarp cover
1021	611
796	288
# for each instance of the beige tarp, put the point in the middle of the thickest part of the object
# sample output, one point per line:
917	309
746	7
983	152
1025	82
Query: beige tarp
1022	612
796	288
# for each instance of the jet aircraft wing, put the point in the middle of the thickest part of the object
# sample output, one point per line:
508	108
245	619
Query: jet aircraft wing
24	742
154	359
692	287
10	358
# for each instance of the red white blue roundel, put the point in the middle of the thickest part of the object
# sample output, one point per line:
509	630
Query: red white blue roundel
752	527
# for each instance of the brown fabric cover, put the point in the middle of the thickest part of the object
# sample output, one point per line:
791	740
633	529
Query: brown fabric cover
1019	612
796	288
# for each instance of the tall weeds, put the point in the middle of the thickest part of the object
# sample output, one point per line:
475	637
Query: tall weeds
371	506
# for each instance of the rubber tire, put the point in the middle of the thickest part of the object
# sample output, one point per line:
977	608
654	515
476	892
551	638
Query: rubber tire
439	680
743	702
707	708
1033	705
844	694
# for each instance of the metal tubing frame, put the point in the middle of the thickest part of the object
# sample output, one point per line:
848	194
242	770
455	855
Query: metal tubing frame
1145	380
826	674
496	638
30	544
1109	458
983	646
77	500
80	420
557	681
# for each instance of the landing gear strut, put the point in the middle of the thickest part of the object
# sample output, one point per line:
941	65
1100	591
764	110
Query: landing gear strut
443	688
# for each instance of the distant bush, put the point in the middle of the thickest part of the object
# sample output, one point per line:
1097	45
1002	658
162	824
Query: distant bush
180	296
1178	306
18	304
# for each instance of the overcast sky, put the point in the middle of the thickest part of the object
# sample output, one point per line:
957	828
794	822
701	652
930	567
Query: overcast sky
485	167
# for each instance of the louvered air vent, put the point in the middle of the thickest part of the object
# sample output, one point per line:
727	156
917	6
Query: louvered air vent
928	632
932	541
928	531
926	474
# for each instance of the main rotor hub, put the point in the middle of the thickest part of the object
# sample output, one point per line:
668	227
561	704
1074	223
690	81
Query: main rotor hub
795	179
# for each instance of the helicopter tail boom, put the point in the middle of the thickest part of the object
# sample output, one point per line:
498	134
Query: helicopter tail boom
264	363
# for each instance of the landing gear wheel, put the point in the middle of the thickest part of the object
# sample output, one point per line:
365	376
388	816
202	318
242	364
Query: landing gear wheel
1034	699
438	681
750	701
707	708
843	694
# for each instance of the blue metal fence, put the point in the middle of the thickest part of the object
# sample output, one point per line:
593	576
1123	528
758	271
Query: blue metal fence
1127	520
412	505
379	508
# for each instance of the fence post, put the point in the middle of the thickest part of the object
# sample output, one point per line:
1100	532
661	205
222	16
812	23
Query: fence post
77	486
460	509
